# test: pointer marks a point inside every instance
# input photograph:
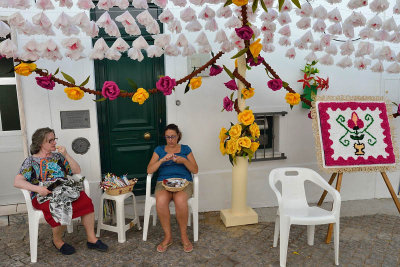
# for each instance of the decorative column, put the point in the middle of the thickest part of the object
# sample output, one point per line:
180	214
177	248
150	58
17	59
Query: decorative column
240	213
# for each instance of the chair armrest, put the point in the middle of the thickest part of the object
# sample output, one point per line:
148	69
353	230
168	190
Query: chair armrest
273	187
86	186
148	185
332	191
196	186
27	197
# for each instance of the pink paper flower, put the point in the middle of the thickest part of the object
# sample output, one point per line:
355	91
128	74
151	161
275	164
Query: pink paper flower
228	104
165	84
45	82
231	85
110	90
244	32
275	84
215	70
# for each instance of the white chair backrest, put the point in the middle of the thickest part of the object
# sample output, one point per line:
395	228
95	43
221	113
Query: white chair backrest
292	179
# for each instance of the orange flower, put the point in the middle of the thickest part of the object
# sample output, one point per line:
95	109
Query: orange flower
246	117
25	69
255	48
235	131
232	146
254	146
255	130
74	93
244	142
195	83
247	93
140	96
222	148
292	98
222	134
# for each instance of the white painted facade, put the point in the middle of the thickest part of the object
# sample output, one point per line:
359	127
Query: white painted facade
200	118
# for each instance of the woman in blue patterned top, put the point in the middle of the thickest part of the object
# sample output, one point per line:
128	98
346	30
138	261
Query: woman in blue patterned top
173	160
67	201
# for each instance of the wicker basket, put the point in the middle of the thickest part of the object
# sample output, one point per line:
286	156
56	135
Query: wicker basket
175	189
121	190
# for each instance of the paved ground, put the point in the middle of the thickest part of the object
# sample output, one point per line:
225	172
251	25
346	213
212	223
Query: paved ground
372	240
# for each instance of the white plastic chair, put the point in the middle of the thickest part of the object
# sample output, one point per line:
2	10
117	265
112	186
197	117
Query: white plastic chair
193	204
294	209
35	215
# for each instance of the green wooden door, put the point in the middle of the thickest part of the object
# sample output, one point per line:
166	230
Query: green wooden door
122	123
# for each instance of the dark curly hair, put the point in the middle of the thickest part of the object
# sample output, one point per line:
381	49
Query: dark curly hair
38	138
175	128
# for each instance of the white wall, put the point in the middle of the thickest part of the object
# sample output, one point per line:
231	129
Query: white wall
200	118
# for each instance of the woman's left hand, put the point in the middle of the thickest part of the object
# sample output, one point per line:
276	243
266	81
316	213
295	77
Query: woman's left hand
62	150
178	159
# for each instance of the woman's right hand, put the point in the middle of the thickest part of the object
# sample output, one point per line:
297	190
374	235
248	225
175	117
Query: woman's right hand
167	157
43	191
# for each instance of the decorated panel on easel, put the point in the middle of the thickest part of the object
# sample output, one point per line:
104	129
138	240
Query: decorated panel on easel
353	134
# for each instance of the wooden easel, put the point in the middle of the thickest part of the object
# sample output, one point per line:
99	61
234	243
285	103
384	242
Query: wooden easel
339	183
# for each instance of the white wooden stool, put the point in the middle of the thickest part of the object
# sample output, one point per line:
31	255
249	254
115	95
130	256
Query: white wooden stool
121	227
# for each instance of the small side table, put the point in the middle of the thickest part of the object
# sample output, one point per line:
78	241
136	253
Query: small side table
121	227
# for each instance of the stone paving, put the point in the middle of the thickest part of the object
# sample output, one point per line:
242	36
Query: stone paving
372	240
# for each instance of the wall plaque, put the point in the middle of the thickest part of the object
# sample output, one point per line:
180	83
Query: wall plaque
75	119
80	145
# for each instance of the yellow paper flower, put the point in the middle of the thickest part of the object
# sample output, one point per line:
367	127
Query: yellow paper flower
235	131
247	93
231	146
292	98
255	48
140	96
195	83
254	146
255	130
25	69
240	2
246	117
74	93
236	63
244	142
222	134
222	148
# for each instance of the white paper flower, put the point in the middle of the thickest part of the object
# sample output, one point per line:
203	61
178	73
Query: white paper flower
172	50
205	49
144	18
140	4
364	48
375	23
31	51
105	4
287	6
92	30
227	46
268	48
85	4
16	20
396	8
8	49
305	11
44	4
4	29
304	23
316	46
125	19
394	37
140	43
345	62
334	15
389	25
19	4
122	4
300	45
307	37
353	4
348	30
377	67
224	12
331	49
319	25
237	42
333	1
207	13
160	3
320	13
268	37
220	37
166	16
162	40
40	19
381	35
175	26
99	49
290	53
398	57
81	20
335	29
384	53
120	45
285	31
202	39
211	25
193	26
268	3
66	3
135	54
50	50
29	29
181	3
188	51
284	18
188	14
356	19
379	5
362	63
197	2
153	28
347	48
284	41
113	54
268	26
233	22
326	60
326	40
63	21
366	33
311	57
270	16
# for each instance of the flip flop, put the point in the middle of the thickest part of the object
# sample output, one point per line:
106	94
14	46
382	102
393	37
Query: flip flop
162	248
188	247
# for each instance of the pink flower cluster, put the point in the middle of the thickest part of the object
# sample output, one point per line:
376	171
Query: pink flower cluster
110	90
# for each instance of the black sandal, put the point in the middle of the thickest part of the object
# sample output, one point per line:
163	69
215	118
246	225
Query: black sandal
65	249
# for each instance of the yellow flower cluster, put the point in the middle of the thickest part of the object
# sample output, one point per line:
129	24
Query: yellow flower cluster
241	138
140	96
74	93
25	69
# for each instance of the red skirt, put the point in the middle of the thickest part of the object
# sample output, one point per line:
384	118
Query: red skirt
83	205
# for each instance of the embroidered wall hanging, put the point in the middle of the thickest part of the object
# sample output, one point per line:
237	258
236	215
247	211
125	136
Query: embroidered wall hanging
353	134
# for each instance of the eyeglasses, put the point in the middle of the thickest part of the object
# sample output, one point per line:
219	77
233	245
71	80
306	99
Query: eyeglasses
53	140
171	137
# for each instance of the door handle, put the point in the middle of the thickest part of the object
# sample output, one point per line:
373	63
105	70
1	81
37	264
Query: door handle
147	136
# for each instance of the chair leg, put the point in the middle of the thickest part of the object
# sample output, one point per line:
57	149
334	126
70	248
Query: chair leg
100	217
33	236
120	210
276	233
136	218
147	210
284	237
336	242
70	227
310	234
154	216
189	217
195	225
